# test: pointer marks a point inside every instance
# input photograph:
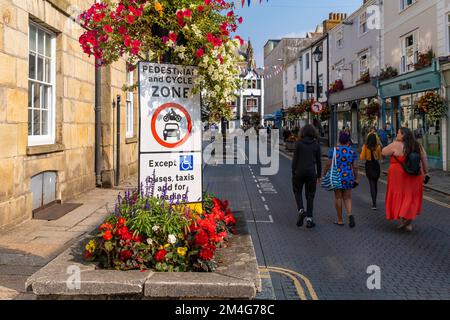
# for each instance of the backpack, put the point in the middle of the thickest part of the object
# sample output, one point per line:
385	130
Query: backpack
412	165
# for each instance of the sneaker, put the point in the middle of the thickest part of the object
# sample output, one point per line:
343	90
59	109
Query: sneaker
301	217
374	208
310	224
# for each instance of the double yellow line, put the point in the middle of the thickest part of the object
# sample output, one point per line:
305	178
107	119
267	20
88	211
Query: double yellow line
296	278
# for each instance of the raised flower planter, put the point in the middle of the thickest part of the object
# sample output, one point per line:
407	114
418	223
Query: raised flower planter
236	276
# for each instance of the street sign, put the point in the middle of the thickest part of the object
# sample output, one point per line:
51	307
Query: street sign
300	88
310	89
170	131
317	107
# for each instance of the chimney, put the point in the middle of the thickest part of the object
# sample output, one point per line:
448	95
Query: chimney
334	18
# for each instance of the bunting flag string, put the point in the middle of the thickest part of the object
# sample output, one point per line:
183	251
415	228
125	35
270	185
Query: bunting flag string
248	2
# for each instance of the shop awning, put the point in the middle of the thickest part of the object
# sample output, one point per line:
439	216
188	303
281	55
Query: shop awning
367	90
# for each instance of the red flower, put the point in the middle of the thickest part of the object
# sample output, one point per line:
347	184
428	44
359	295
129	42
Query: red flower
207	253
125	255
130	19
107	235
208	2
200	8
200	52
126	41
106	226
181	22
160	255
230	14
124	233
121	222
108	28
187	13
173	36
122	30
240	20
99	17
201	239
220	58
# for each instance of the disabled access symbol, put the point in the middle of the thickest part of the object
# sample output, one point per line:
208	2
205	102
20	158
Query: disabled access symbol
186	163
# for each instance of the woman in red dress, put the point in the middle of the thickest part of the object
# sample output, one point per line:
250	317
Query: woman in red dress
404	193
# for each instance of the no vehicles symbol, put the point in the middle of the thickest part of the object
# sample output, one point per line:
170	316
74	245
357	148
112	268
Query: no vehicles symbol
171	125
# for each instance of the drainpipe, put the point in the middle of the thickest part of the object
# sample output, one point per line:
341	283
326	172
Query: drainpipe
98	127
118	142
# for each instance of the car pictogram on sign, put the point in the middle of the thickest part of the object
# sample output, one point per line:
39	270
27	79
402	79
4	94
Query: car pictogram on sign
172	130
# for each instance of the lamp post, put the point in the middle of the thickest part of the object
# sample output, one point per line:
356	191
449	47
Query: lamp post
318	56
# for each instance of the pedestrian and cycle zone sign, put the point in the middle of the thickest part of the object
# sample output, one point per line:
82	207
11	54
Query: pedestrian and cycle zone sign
170	131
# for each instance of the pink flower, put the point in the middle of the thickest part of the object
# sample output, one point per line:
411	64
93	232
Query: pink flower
173	36
122	30
240	20
187	13
126	41
207	2
108	28
130	19
200	52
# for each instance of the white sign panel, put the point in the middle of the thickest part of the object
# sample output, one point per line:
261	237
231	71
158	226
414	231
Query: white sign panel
170	114
179	173
170	137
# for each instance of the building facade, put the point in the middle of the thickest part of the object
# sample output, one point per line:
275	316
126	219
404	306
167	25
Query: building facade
415	37
47	110
354	59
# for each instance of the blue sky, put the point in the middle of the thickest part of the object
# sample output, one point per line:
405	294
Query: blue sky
280	18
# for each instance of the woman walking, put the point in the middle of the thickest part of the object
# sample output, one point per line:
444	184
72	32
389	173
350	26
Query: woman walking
306	172
346	159
404	193
371	153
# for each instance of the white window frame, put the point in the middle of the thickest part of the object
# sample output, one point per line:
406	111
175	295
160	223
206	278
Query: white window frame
49	138
130	106
362	70
339	68
447	28
340	38
404	4
362	23
415	47
255	106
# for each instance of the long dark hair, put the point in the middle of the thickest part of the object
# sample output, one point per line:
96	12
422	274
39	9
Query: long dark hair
410	144
309	131
372	142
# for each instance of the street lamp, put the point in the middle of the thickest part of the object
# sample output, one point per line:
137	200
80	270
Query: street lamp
318	56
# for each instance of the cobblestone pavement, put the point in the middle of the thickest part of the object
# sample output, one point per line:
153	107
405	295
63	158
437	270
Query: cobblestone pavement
335	259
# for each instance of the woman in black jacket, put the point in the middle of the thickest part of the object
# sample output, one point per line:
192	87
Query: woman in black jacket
306	172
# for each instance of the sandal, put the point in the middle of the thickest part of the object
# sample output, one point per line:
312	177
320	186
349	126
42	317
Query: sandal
339	224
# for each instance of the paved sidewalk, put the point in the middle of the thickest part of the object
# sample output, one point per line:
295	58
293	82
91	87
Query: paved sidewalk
439	182
31	245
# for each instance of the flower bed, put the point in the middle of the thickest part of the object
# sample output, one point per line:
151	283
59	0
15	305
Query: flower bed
147	233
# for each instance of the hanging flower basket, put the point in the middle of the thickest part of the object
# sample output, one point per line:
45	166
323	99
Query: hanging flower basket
370	113
337	86
190	33
432	105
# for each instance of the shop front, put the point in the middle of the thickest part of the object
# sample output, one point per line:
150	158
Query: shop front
346	106
399	97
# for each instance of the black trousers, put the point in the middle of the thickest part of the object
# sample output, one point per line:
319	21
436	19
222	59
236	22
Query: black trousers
310	184
373	190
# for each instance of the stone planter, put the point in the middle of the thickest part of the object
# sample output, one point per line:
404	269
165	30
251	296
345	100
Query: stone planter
237	277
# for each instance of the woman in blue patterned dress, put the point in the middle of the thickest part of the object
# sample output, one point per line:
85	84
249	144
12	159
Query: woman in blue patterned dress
346	158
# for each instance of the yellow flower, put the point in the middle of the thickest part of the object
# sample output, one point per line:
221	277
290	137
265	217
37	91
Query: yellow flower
159	8
166	246
182	251
90	247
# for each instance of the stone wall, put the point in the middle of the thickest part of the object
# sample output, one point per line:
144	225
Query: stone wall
72	155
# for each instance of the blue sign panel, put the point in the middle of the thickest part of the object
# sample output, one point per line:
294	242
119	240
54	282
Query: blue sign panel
186	163
300	88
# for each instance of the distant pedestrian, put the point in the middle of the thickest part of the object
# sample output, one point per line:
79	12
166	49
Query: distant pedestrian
346	159
306	172
409	164
384	136
371	154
